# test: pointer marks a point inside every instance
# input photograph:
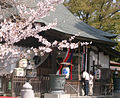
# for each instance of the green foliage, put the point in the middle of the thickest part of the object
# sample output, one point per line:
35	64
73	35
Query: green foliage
101	14
118	49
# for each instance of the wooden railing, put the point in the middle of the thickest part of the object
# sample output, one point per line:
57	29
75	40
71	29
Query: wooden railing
14	84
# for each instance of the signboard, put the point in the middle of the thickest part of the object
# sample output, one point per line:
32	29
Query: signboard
19	72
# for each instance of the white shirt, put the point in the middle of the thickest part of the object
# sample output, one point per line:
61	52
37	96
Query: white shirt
91	79
86	75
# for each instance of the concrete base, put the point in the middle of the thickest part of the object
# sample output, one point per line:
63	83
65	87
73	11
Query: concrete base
116	95
27	91
27	94
53	95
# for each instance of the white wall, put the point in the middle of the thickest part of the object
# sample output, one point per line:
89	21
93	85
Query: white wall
103	60
93	57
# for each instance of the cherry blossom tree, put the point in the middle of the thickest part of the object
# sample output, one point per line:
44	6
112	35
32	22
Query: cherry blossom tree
12	32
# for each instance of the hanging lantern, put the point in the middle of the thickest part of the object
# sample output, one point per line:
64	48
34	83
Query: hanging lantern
98	74
66	72
30	71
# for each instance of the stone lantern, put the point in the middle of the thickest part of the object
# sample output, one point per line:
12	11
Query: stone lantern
30	71
27	91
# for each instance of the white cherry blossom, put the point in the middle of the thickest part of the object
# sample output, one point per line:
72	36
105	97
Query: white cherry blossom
12	32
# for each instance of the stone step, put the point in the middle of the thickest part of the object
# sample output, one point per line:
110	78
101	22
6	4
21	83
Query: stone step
109	96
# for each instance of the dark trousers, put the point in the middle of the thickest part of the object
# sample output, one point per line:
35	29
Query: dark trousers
86	87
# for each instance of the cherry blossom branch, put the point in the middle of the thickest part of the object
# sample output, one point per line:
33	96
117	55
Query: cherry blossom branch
21	28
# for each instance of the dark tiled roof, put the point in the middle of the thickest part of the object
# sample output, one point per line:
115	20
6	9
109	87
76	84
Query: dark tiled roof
69	24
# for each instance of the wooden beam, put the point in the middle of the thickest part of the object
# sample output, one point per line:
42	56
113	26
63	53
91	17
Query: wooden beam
54	64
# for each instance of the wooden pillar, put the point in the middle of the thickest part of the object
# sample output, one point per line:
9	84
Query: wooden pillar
79	77
4	84
79	67
12	85
53	59
88	59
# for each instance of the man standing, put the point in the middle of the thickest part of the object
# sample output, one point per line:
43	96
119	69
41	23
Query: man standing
86	82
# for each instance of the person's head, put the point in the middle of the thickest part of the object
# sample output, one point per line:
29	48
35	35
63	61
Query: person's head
91	72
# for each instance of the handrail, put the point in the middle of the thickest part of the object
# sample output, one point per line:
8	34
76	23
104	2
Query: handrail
72	87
